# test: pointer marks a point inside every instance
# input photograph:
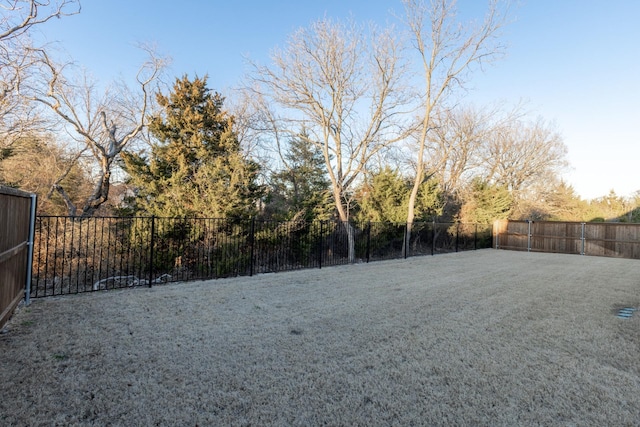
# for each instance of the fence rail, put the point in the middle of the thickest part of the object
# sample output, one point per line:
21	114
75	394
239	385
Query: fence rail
620	240
74	255
17	208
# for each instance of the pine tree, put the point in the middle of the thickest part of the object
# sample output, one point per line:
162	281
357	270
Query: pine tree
485	202
302	189
196	166
385	198
561	203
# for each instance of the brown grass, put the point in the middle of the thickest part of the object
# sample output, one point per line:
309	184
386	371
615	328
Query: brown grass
475	338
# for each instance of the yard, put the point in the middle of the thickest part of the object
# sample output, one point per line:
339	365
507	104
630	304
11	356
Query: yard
473	338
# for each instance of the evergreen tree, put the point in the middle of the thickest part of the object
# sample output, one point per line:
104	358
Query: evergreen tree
385	198
485	202
302	189
609	208
561	203
196	166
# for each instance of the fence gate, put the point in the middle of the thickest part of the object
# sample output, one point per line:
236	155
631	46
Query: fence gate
17	216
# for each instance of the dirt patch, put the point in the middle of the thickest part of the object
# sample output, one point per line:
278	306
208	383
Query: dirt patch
475	338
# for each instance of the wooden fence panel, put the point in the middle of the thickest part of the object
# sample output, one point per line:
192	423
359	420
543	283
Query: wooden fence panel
556	237
15	213
512	235
613	239
595	238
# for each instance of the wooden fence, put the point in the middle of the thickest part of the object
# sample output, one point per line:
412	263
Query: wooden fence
17	210
620	240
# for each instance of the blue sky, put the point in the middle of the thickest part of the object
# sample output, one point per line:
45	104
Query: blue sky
575	62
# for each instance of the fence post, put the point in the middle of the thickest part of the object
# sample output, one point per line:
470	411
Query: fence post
251	242
32	230
582	238
529	236
433	238
151	245
368	241
457	234
320	246
404	239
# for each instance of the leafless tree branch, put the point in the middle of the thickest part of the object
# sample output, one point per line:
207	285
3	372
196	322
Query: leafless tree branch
103	125
345	90
19	16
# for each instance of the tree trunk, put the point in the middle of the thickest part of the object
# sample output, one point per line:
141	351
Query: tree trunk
99	196
351	241
412	203
71	207
349	230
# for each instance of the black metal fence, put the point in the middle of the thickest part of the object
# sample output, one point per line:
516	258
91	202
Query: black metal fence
73	255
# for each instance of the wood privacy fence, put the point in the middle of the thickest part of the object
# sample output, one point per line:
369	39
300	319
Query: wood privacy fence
17	212
620	240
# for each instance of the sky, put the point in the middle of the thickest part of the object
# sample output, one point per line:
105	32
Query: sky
575	63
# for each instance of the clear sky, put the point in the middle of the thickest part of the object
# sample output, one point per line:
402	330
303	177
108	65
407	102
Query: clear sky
575	62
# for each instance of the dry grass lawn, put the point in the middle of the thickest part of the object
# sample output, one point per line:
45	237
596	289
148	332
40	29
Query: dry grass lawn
475	338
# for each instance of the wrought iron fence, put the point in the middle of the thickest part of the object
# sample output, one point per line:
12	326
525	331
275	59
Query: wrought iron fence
73	255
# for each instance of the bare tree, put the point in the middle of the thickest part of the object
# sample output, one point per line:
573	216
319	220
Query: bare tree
344	90
447	52
17	18
101	126
520	155
16	115
455	145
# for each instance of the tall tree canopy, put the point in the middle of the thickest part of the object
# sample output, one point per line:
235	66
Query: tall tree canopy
447	51
196	166
302	188
345	88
